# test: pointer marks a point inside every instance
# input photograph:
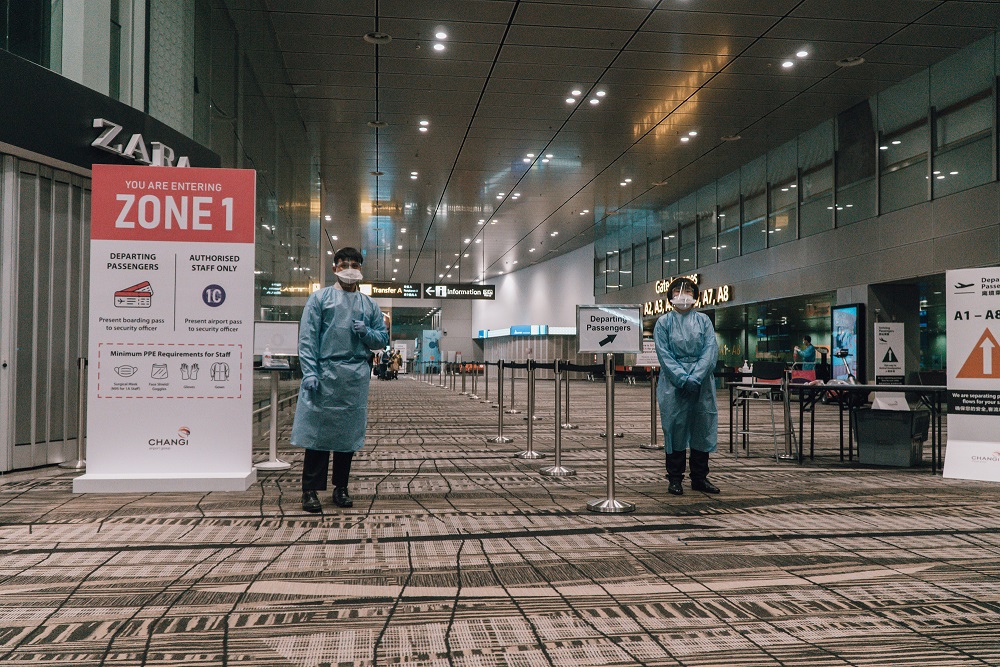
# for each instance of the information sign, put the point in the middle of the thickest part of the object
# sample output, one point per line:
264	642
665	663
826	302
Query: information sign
973	320
648	355
170	383
459	291
609	328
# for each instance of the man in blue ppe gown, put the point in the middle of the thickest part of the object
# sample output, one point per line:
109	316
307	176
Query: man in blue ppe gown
339	327
806	354
687	349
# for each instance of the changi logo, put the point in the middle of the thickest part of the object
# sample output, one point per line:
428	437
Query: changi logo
135	149
181	441
992	458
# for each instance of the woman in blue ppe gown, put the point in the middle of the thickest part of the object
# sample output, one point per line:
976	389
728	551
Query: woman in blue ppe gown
687	349
339	327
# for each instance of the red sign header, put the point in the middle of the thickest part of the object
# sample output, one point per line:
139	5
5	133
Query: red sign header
169	204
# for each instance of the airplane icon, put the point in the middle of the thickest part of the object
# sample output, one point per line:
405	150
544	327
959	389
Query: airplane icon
964	285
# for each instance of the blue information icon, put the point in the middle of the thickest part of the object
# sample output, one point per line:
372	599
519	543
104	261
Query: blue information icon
213	296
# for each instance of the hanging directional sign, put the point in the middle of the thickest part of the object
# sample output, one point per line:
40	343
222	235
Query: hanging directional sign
392	290
973	374
615	328
459	291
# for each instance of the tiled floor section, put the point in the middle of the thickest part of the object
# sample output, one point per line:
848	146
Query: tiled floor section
458	554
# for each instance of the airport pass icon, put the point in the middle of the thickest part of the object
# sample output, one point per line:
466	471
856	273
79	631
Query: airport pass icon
139	295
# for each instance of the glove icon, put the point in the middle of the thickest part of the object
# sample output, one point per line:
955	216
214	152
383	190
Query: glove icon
359	327
194	371
185	373
310	383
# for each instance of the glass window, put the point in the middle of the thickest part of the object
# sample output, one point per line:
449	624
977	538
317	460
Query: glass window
729	216
753	182
639	264
855	164
654	250
964	108
708	232
904	138
27	28
115	59
625	268
670	241
687	234
612	270
600	276
782	178
816	180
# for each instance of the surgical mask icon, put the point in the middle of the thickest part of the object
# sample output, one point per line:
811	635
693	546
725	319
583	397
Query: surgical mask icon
349	276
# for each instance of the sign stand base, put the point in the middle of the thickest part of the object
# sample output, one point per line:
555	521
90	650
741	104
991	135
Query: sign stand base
610	506
146	483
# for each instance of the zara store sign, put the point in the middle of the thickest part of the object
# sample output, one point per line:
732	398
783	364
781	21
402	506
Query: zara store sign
157	154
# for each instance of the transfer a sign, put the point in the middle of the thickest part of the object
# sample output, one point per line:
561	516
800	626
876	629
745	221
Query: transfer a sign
391	290
170	383
973	321
609	328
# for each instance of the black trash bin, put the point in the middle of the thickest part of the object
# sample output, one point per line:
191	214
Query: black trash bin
891	437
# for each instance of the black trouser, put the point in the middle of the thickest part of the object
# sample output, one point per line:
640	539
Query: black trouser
317	464
676	462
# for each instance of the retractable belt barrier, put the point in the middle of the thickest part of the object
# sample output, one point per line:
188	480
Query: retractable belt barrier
545	367
473	395
558	469
652	415
574	368
500	438
530	452
610	504
513	365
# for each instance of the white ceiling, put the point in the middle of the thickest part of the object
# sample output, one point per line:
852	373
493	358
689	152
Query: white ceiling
498	91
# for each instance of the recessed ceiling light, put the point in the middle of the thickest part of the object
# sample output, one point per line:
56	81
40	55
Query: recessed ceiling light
439	47
425	122
548	155
514	262
896	142
883	148
517	194
531	250
570	100
457	254
575	92
531	155
731	137
395	270
440	275
377	38
787	64
403	230
545	159
953	173
628	180
500	194
586	210
449	275
554	234
479	240
441	35
413	177
334	238
328	218
397	259
413	173
600	93
493	222
527	159
802	54
399	247
623	183
423	129
853	61
594	100
685	138
465	255
693	133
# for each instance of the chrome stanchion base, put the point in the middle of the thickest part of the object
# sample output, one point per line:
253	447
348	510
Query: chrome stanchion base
75	464
649	445
529	454
500	440
569	427
276	464
787	457
536	418
609	506
557	471
511	411
604	434
473	397
463	393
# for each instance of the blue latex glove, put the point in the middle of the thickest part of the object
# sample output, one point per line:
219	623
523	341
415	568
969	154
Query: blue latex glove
310	383
691	387
359	327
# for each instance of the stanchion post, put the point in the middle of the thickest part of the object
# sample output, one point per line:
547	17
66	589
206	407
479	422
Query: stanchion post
530	452
475	376
610	505
500	439
80	462
558	469
511	410
568	425
462	371
486	381
786	420
652	414
273	462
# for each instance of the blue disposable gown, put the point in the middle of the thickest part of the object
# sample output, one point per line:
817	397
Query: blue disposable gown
808	357
334	417
687	349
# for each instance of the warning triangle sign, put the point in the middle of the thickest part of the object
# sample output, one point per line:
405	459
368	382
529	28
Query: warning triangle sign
984	361
890	357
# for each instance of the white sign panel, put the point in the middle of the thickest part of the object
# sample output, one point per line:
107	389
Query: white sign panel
170	392
615	328
890	353
973	321
648	355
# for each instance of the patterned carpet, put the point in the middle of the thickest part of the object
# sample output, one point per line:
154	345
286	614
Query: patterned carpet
455	553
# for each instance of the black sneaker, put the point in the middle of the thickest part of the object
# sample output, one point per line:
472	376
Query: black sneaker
340	497
311	503
675	488
704	486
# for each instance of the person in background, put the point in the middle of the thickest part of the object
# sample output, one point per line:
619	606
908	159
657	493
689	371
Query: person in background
806	354
339	327
687	349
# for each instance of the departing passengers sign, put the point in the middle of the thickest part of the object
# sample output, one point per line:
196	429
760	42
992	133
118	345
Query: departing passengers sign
609	328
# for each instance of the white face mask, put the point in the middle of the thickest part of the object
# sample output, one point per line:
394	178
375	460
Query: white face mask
683	302
349	276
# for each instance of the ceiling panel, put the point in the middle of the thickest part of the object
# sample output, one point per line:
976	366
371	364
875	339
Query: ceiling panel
494	95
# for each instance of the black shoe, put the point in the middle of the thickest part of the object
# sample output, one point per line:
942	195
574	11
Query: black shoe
311	503
675	488
340	497
704	486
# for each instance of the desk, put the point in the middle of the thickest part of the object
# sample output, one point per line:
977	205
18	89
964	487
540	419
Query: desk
853	396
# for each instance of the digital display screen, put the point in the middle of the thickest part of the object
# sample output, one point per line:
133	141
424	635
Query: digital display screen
847	342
